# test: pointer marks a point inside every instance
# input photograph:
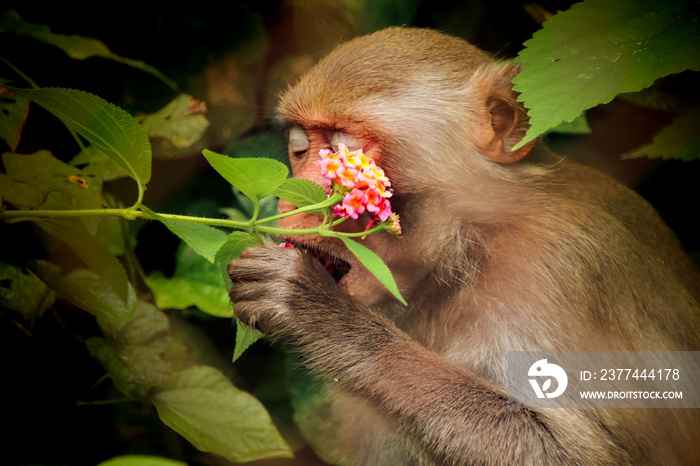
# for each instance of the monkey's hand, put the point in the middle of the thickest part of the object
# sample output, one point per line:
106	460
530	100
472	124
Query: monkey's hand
288	295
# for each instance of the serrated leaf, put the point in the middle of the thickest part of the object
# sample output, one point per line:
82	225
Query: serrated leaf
85	289
13	114
140	353
23	291
578	125
680	140
204	407
109	128
181	121
255	177
183	292
97	163
375	265
232	248
196	282
301	193
92	250
597	49
245	336
140	460
204	239
272	144
30	178
76	47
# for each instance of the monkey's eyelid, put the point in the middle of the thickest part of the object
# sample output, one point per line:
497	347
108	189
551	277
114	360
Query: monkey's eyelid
298	140
344	138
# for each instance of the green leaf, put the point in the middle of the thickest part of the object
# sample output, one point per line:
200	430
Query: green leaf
184	292
245	336
204	239
597	49
578	125
109	128
13	114
375	265
23	291
255	177
76	47
301	193
272	144
196	282
204	407
93	250
140	353
30	178
181	122
84	288
141	460
97	163
235	244
680	140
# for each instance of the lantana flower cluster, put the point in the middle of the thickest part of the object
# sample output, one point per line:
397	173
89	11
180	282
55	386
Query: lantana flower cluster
364	184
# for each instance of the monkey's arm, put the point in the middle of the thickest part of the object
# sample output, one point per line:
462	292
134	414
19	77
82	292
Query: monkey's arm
452	415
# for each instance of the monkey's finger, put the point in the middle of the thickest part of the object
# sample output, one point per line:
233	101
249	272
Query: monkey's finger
256	291
259	314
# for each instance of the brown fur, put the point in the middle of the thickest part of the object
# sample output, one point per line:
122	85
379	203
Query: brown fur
498	254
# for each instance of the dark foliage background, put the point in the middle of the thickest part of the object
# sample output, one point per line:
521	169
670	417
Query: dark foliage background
236	56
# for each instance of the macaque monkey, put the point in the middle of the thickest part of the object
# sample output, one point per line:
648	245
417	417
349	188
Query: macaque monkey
502	250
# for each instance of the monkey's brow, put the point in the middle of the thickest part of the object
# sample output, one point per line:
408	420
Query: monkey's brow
288	123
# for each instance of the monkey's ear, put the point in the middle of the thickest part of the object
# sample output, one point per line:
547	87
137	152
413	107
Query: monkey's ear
508	120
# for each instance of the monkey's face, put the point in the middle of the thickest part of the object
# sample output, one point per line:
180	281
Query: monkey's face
304	145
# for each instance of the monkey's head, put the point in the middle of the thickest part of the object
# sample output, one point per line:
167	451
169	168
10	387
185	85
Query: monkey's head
436	114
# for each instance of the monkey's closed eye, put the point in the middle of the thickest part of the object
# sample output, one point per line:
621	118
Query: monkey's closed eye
343	138
298	140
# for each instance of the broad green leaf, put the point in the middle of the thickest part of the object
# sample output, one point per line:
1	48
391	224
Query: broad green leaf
13	114
578	125
375	265
301	192
196	282
235	244
76	47
245	336
23	291
140	353
30	178
597	49
202	405
204	239
97	163
88	291
181	122
680	140
183	292
93	250
255	177
41	181
109	128
272	144
141	460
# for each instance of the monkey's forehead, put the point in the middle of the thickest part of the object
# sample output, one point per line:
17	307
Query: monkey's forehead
382	65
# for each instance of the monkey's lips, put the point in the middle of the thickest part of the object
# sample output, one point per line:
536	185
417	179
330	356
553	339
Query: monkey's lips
334	265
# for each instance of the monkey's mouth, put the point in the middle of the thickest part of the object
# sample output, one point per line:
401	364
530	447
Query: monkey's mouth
334	265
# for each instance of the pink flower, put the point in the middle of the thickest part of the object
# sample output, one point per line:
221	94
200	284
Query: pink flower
365	185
